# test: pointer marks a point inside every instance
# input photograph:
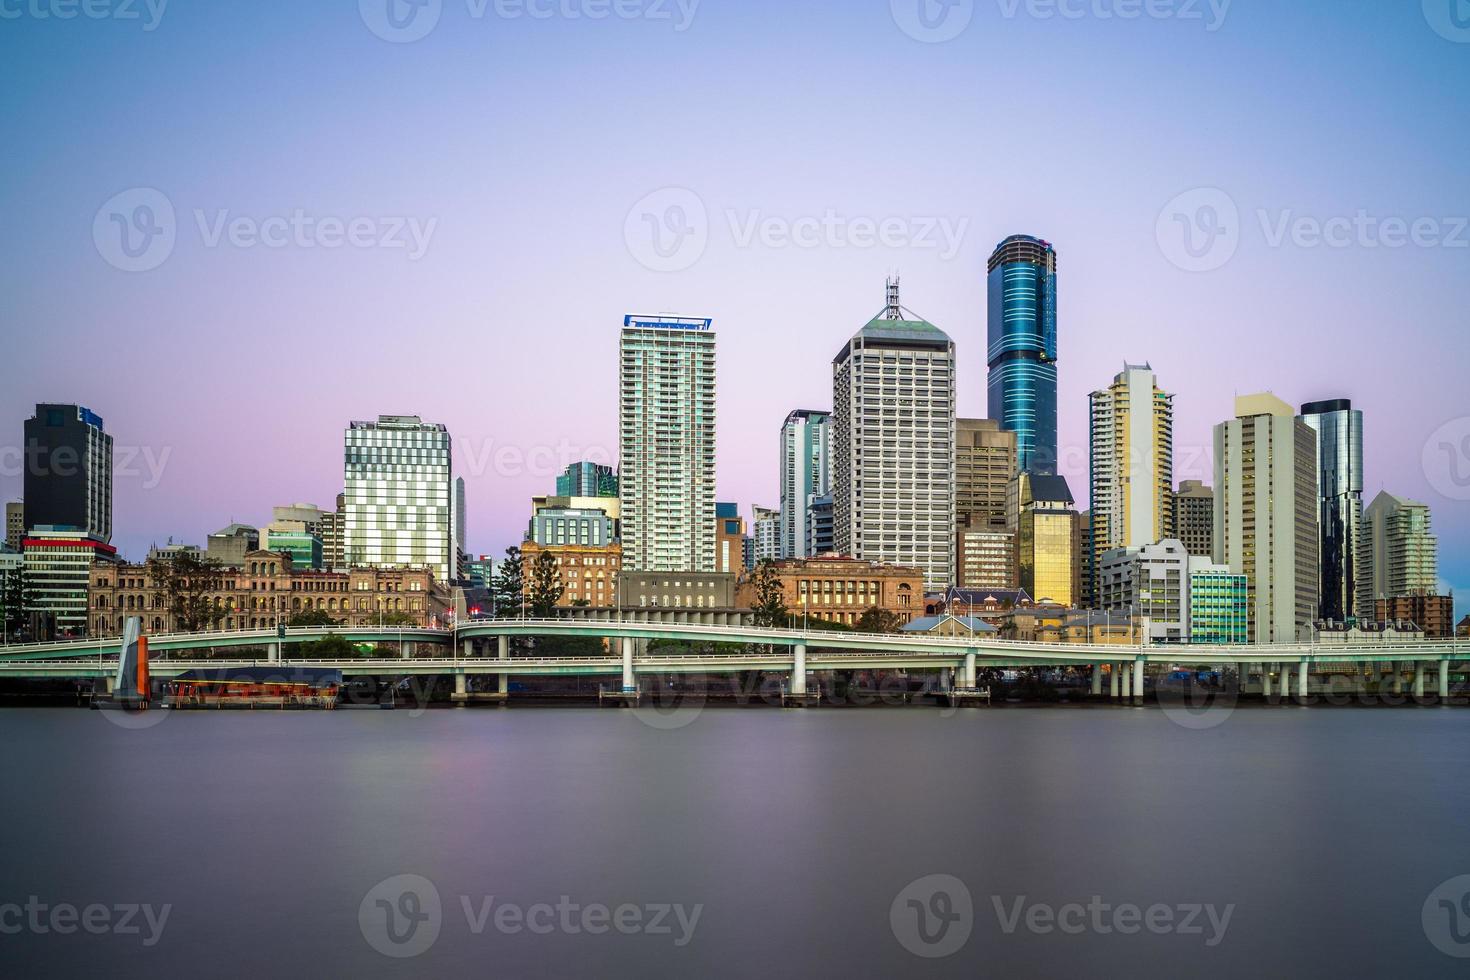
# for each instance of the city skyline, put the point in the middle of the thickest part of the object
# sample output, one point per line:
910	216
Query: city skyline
1283	315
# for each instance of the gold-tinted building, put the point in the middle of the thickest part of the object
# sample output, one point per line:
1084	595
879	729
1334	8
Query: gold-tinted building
1048	538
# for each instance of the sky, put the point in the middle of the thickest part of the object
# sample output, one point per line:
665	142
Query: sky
233	227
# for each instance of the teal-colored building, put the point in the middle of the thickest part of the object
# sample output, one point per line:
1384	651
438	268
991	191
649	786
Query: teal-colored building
1219	607
304	547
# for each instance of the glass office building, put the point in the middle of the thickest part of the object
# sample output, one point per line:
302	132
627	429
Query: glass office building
398	495
1022	352
1339	431
586	479
1219	612
805	469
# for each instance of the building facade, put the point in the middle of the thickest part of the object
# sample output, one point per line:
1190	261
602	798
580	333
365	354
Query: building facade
15	524
819	525
586	479
58	564
667	440
302	546
561	526
840	590
1434	614
398	489
893	435
68	471
230	545
805	467
1022	350
677	590
1219	604
1266	514
588	573
984	462
766	534
1132	457
334	535
1048	538
729	539
1399	549
985	558
1193	505
1339	429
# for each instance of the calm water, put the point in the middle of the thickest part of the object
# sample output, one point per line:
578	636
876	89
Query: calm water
793	833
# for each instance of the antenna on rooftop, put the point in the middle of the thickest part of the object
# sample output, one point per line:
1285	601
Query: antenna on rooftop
892	310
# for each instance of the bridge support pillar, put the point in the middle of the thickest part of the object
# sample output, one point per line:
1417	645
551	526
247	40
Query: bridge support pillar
1444	681
1302	690
969	678
1138	680
629	684
1096	680
1418	680
503	653
461	688
798	669
469	649
1398	676
1113	681
1266	681
273	653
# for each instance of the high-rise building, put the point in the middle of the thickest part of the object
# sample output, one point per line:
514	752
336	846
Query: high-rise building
819	525
586	479
805	469
1048	533
334	538
461	553
1434	614
729	538
1339	429
1400	551
1022	351
1184	598
1085	560
767	533
1132	454
1194	517
58	565
15	524
893	432
398	486
1266	514
985	557
667	439
984	462
68	471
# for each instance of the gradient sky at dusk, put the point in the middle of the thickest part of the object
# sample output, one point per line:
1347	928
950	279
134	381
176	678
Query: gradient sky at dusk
528	141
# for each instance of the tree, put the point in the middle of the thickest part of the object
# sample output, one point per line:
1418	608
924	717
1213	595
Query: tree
878	620
396	618
312	617
768	599
509	587
329	647
546	588
190	584
15	598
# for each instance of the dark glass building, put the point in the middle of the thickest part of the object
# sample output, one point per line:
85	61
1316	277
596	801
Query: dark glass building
1022	350
1339	431
68	471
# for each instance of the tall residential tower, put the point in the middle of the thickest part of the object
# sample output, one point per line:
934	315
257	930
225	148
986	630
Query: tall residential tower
805	469
1132	453
68	471
1339	429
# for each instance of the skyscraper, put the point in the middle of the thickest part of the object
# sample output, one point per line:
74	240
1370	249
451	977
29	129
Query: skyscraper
766	533
1132	454
1400	552
15	524
1339	431
893	398
805	465
1266	514
1194	517
984	462
68	471
398	490
1048	538
667	437
586	479
461	554
1022	353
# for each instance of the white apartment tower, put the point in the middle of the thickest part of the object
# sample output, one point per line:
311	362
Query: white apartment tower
1266	514
398	495
893	437
1132	453
805	465
667	439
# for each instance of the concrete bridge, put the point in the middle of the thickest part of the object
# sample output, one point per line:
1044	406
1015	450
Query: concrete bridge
458	652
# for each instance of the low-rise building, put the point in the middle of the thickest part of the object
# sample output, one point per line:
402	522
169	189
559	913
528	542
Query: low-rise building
58	563
985	556
1341	634
676	590
589	575
729	538
230	545
1435	614
840	590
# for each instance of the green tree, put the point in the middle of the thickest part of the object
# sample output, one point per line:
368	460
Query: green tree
396	618
15	598
312	617
329	647
509	587
877	620
190	585
546	588
768	600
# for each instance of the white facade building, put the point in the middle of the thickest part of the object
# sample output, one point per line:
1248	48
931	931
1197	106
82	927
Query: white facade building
805	475
397	489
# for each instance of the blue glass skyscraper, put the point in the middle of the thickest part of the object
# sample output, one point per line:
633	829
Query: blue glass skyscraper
1022	351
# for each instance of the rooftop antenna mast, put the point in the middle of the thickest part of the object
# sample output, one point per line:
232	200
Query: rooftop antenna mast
892	311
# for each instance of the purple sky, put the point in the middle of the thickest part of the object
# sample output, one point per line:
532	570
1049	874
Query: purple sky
528	150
